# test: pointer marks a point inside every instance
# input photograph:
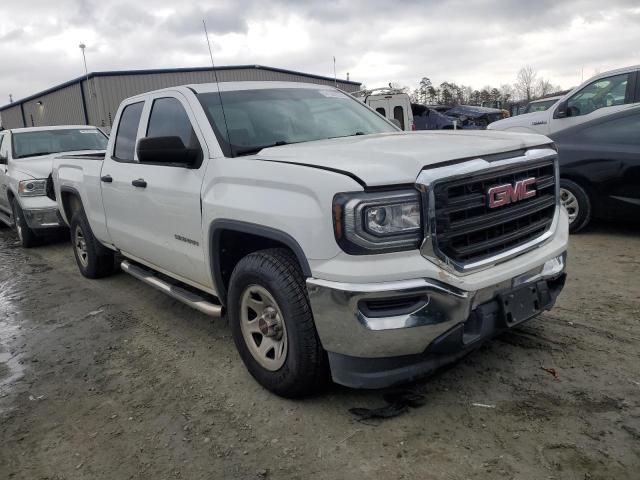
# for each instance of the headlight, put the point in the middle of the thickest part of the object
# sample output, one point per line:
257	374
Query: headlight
378	222
32	188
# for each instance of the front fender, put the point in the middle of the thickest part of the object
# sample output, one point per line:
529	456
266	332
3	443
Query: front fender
295	200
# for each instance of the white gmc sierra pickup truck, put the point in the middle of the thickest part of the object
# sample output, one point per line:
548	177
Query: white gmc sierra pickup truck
26	157
335	243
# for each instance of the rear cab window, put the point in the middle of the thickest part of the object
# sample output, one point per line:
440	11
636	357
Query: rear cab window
125	143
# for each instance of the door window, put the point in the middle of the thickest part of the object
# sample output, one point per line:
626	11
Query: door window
621	131
125	146
169	119
398	114
381	111
606	92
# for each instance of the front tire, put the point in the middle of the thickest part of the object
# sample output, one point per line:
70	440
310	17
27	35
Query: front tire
26	236
578	204
94	260
272	324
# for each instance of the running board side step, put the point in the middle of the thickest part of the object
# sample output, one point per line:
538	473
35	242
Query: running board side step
189	298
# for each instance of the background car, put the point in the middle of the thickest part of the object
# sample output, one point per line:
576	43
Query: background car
600	168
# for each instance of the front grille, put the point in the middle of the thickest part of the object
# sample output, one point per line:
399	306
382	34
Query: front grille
467	230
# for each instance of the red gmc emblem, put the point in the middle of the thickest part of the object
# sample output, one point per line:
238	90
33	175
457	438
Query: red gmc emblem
506	194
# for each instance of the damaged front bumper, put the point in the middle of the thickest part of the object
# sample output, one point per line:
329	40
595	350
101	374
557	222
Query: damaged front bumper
381	334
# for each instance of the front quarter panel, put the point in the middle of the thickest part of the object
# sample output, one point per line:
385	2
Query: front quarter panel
293	199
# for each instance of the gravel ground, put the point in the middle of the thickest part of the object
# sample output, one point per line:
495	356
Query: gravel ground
110	379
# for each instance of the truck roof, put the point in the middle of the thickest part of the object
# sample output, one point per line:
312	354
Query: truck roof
232	86
52	127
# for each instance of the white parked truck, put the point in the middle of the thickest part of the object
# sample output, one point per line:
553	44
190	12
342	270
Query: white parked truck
26	157
335	243
602	95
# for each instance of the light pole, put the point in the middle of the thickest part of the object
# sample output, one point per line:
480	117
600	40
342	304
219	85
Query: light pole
86	74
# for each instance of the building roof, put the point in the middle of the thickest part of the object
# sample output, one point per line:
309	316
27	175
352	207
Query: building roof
117	73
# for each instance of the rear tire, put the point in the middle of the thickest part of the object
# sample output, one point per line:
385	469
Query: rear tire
268	307
26	236
94	260
578	204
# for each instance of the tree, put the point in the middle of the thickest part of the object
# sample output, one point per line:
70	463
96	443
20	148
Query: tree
445	93
544	87
506	92
425	85
526	82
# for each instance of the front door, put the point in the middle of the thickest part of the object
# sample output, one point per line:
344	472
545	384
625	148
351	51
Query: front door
599	98
154	211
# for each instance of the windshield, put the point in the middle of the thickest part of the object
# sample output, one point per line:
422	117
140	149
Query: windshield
540	106
43	142
257	119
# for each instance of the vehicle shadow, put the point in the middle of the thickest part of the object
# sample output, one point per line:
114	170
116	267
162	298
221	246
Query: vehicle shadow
611	227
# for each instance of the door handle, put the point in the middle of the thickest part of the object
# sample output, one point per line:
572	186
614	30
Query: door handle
139	183
106	178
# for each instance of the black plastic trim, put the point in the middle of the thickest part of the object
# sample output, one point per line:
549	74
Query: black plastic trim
320	167
216	229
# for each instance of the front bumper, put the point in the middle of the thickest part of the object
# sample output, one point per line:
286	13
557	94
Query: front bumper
42	218
380	334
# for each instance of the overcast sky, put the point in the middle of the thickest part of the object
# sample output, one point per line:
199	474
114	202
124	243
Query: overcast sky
470	42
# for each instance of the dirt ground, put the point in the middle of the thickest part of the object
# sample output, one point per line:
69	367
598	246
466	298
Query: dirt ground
111	380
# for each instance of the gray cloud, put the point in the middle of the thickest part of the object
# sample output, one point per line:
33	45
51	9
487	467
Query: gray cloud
377	41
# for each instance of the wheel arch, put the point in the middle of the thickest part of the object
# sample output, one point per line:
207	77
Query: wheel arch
71	202
245	238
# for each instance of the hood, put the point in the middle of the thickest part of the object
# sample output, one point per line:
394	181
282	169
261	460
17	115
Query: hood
525	120
398	158
41	166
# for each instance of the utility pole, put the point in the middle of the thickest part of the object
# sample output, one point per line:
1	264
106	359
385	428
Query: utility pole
335	79
82	46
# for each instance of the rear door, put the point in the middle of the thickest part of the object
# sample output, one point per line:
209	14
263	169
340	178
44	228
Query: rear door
380	105
607	154
400	110
153	210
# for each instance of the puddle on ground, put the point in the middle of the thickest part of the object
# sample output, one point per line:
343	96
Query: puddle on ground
11	369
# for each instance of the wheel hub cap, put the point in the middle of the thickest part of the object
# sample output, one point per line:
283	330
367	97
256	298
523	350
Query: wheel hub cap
570	203
263	327
81	246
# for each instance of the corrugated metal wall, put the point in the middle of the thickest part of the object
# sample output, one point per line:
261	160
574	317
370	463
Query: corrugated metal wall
62	107
104	93
11	117
113	89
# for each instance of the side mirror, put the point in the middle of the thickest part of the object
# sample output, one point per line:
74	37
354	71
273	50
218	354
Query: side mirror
3	160
167	150
396	122
561	110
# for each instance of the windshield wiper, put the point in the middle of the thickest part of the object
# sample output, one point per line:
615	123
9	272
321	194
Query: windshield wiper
251	150
356	134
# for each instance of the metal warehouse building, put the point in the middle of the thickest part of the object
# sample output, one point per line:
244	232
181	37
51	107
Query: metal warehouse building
94	99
